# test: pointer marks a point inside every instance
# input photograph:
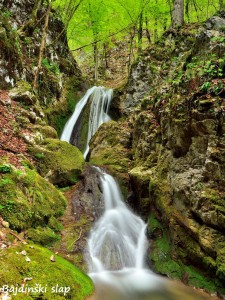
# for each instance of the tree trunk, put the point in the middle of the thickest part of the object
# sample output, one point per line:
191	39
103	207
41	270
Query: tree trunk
42	47
132	35
147	31
187	10
106	56
140	33
222	4
156	30
178	13
96	60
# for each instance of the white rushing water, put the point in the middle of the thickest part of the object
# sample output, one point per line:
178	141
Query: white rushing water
117	240
100	102
117	243
117	247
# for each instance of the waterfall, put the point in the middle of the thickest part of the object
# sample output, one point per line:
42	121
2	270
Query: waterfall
100	98
117	240
116	249
117	243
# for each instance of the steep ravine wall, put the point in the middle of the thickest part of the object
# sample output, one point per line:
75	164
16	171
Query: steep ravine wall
170	142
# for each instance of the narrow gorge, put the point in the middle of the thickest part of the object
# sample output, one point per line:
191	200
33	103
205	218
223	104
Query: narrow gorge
112	160
117	244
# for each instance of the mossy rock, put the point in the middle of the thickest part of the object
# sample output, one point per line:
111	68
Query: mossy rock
46	131
165	263
23	93
28	200
110	147
43	236
59	112
59	162
43	272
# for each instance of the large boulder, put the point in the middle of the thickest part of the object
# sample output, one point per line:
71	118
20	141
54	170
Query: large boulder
59	162
110	146
28	200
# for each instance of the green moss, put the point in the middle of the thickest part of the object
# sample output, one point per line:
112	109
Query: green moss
39	155
113	159
43	236
72	241
46	131
153	223
55	224
24	86
161	256
61	162
14	269
199	280
221	260
59	114
5	168
51	66
28	200
167	262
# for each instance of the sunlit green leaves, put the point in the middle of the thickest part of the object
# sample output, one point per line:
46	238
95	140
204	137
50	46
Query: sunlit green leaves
105	21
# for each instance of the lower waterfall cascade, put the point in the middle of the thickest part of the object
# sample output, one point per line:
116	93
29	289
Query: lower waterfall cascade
117	243
118	238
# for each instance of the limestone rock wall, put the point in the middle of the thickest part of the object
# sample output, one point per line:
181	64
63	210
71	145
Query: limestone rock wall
173	105
32	158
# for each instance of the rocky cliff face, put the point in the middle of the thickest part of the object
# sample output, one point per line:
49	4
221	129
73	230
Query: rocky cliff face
27	140
32	159
173	105
21	29
33	111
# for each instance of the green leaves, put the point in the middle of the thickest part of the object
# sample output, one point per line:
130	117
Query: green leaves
93	24
205	86
5	168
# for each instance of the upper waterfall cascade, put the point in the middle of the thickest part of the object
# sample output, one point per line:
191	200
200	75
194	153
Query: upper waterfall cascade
100	102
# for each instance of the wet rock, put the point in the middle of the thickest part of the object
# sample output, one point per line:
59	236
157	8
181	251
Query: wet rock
177	148
110	146
89	195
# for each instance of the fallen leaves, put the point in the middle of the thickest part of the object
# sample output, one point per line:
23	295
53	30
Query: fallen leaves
11	145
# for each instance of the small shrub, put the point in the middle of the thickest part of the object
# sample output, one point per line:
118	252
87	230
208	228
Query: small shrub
5	168
39	155
51	66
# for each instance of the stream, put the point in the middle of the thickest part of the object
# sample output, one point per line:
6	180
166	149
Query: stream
117	244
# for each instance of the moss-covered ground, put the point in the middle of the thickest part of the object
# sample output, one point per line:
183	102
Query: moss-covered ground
41	271
27	200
